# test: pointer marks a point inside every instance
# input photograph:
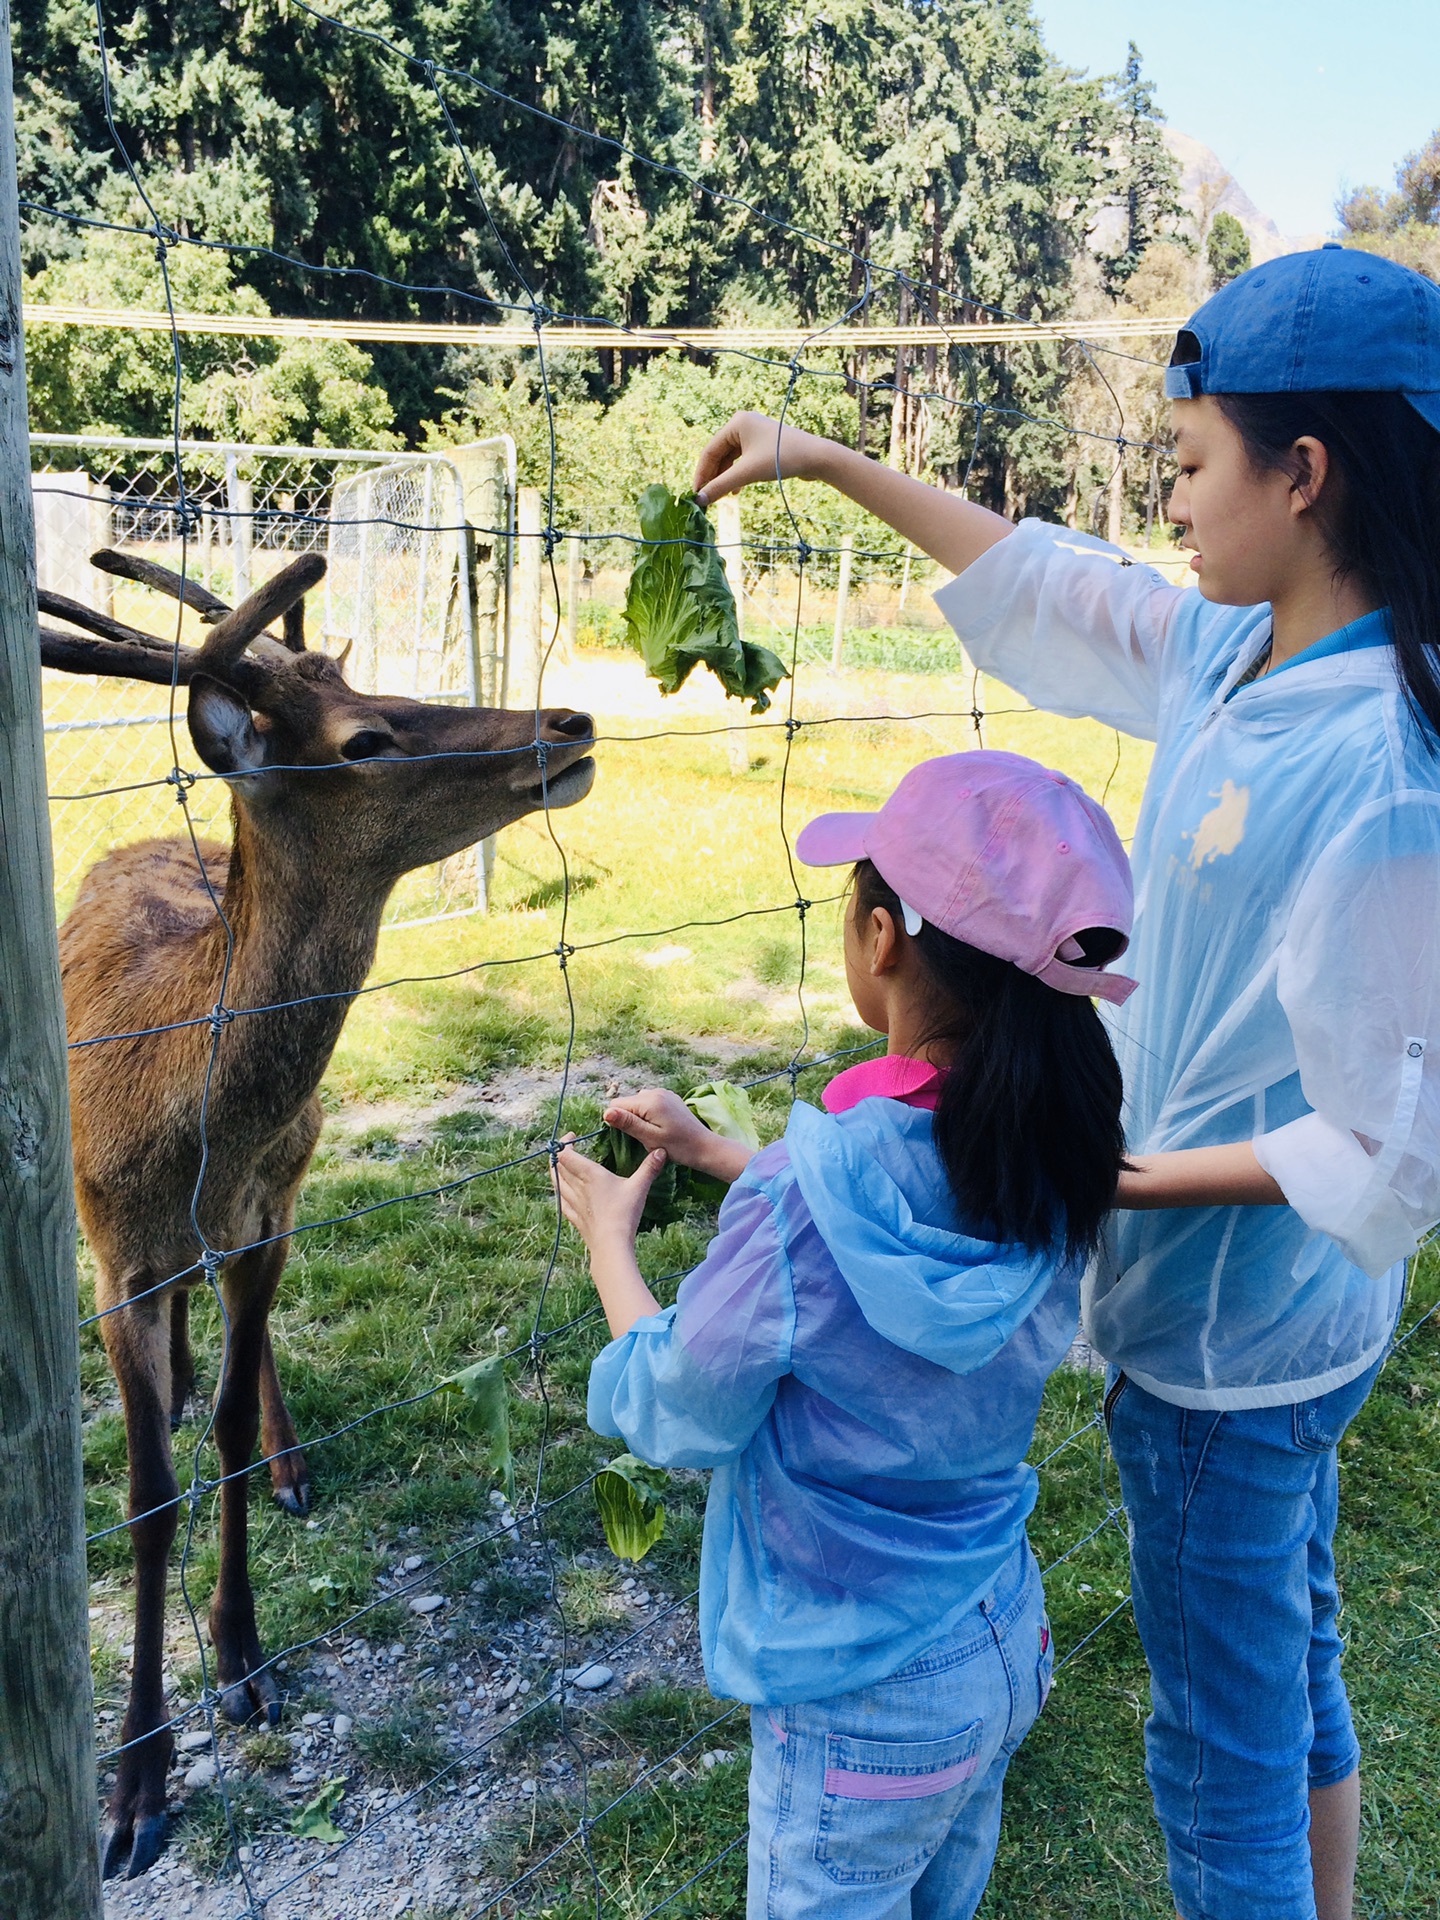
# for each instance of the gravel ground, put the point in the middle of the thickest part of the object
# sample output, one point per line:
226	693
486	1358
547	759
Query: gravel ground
462	1682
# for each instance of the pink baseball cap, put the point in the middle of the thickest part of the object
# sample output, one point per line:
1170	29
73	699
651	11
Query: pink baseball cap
999	852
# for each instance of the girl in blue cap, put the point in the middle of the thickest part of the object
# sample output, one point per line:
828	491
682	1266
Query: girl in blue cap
1282	1096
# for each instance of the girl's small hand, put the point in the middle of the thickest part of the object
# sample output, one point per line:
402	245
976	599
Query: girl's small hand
659	1118
751	447
603	1209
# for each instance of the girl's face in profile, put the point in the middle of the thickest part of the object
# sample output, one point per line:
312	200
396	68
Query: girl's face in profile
1249	529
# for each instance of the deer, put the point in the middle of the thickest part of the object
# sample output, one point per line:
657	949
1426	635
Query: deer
334	795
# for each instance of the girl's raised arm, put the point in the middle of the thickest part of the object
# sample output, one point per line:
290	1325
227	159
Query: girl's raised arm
751	447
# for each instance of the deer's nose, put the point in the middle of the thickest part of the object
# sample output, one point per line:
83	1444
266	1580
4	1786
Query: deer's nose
568	726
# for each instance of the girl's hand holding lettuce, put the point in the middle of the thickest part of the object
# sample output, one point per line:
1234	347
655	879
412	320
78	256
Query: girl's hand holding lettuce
680	611
712	1131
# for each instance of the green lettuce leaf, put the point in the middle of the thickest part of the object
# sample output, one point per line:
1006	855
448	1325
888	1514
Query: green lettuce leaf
487	1412
629	1496
313	1821
679	609
725	1108
623	1155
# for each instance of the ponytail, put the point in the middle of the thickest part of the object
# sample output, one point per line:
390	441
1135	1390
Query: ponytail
1028	1125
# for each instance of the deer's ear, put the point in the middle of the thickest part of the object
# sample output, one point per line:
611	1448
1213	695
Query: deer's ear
220	725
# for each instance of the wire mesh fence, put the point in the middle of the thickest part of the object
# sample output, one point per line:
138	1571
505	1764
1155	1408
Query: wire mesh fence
400	593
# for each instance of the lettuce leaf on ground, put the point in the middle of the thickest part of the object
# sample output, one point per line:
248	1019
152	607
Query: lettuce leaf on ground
630	1497
679	609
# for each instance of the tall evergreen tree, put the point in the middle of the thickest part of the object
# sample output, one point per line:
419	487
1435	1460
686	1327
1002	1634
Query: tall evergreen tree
1144	176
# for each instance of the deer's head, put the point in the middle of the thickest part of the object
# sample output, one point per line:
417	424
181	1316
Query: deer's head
383	784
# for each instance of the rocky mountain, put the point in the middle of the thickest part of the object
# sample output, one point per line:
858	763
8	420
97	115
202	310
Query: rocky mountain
1207	187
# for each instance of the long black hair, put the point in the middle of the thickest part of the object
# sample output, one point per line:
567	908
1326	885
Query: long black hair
1028	1124
1382	522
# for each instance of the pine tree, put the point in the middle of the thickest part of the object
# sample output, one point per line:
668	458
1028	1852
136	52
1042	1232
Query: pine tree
1227	249
1144	175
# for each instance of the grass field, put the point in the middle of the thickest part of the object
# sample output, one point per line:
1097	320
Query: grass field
379	1308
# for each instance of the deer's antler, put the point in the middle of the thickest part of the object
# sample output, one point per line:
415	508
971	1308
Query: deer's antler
95	622
228	638
128	653
139	659
129	566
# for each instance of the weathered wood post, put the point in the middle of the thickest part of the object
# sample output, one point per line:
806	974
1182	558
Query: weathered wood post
522	661
572	594
485	468
49	1868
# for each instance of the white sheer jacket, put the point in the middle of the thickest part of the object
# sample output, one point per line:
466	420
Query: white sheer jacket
1287	944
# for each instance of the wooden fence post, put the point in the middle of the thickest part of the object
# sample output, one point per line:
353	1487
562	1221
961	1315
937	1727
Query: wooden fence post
842	596
522	659
572	594
49	1868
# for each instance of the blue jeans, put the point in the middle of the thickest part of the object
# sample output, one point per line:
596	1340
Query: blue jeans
1232	1563
884	1804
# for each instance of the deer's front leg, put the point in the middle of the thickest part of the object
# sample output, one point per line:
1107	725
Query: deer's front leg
249	1287
138	1341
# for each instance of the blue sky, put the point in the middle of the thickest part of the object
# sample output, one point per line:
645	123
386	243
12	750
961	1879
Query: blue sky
1299	98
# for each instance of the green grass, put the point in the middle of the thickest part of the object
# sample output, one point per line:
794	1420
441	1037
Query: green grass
205	1831
401	1745
379	1308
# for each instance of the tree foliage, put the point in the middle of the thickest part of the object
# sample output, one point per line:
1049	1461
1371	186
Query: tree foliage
1405	224
1227	249
1144	176
945	144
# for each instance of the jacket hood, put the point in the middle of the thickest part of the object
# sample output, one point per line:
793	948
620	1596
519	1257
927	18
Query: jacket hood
876	1190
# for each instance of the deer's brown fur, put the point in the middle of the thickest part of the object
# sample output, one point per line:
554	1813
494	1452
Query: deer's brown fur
335	794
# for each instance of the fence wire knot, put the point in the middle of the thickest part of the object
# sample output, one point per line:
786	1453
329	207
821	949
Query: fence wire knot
792	727
182	780
220	1017
804	553
563	951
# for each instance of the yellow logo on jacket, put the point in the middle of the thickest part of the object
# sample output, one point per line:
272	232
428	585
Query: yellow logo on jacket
1223	828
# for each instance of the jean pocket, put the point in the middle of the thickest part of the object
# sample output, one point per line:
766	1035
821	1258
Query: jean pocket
1112	1394
1046	1669
888	1804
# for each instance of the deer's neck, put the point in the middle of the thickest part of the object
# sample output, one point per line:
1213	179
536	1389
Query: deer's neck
304	936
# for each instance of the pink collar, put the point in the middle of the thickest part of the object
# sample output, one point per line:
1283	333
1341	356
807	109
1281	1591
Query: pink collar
891	1077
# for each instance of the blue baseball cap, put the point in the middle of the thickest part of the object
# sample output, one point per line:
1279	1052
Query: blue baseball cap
1333	320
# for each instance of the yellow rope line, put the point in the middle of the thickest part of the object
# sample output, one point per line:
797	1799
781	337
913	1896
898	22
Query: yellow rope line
588	339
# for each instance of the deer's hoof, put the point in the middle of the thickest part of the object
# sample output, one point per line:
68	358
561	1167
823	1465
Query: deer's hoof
294	1497
257	1697
235	1702
290	1480
133	1847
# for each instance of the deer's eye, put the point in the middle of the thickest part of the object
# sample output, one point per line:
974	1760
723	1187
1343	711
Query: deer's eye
366	744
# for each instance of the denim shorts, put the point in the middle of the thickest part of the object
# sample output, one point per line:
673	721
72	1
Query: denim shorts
1232	1528
884	1804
